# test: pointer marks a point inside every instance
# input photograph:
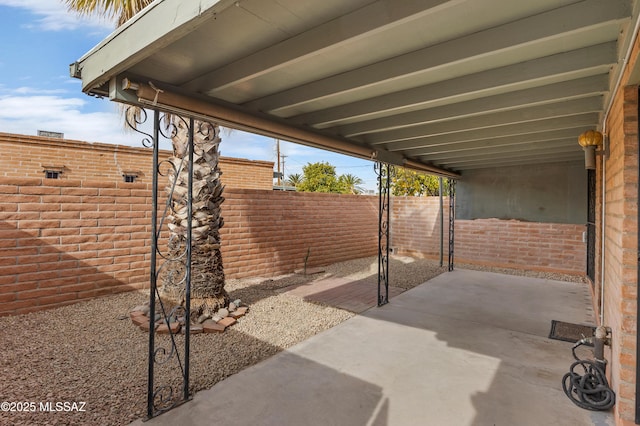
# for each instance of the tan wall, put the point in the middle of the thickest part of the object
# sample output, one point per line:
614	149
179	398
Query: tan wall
25	156
62	241
554	247
620	242
67	240
415	229
415	226
269	233
621	228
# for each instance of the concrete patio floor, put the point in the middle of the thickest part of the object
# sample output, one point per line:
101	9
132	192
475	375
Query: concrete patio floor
466	348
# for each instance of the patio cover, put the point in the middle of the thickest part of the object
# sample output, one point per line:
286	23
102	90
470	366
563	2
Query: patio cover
441	86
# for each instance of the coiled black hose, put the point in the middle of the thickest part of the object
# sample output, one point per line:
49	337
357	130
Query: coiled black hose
586	384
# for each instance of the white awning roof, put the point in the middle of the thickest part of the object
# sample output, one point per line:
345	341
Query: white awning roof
442	85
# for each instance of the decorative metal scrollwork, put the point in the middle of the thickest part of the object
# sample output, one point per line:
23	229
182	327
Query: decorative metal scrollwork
136	117
170	259
385	173
163	398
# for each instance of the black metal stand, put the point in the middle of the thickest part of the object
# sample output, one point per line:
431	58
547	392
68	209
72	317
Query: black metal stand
164	351
384	181
452	220
441	214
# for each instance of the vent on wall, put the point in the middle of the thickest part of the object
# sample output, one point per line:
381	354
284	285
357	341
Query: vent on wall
130	176
52	172
48	134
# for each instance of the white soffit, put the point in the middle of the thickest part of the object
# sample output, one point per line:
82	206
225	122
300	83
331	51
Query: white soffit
450	85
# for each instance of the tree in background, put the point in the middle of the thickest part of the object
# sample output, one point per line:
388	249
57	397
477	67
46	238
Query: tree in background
321	177
411	183
294	179
351	183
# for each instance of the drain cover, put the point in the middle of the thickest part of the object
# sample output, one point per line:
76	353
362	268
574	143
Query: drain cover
570	332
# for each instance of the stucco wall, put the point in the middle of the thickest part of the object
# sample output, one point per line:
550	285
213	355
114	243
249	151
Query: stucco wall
548	193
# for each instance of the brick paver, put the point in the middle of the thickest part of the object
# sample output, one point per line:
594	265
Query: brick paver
354	296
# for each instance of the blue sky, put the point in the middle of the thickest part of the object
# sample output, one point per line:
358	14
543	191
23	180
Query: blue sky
39	41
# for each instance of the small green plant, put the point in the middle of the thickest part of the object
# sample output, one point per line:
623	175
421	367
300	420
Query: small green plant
306	259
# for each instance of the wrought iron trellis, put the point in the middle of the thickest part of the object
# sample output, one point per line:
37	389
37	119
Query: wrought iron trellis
170	262
452	220
384	172
440	196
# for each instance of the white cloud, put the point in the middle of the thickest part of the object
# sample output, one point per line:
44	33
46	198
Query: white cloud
25	90
54	15
28	114
236	143
24	113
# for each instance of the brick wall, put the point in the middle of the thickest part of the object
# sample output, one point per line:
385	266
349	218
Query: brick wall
69	240
415	229
268	233
554	247
620	240
415	226
25	156
62	241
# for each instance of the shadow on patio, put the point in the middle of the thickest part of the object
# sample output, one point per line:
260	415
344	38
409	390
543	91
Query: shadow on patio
466	348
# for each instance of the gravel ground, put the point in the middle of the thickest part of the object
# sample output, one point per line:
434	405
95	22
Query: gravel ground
91	353
533	274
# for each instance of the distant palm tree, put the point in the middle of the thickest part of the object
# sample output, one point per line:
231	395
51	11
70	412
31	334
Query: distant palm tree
294	179
207	282
351	183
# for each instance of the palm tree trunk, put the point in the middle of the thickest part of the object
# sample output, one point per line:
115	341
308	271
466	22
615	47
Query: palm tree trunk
207	273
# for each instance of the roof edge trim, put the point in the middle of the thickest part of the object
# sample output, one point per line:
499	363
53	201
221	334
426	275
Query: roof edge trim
163	99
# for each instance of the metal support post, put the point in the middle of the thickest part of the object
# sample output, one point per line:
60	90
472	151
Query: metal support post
440	189
384	181
175	255
452	220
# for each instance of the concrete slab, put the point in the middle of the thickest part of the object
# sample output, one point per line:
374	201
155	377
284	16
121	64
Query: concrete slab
467	348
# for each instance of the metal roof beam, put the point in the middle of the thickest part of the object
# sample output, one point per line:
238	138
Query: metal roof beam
170	100
522	115
491	132
539	145
566	90
533	157
543	27
575	64
526	152
373	18
519	162
569	133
